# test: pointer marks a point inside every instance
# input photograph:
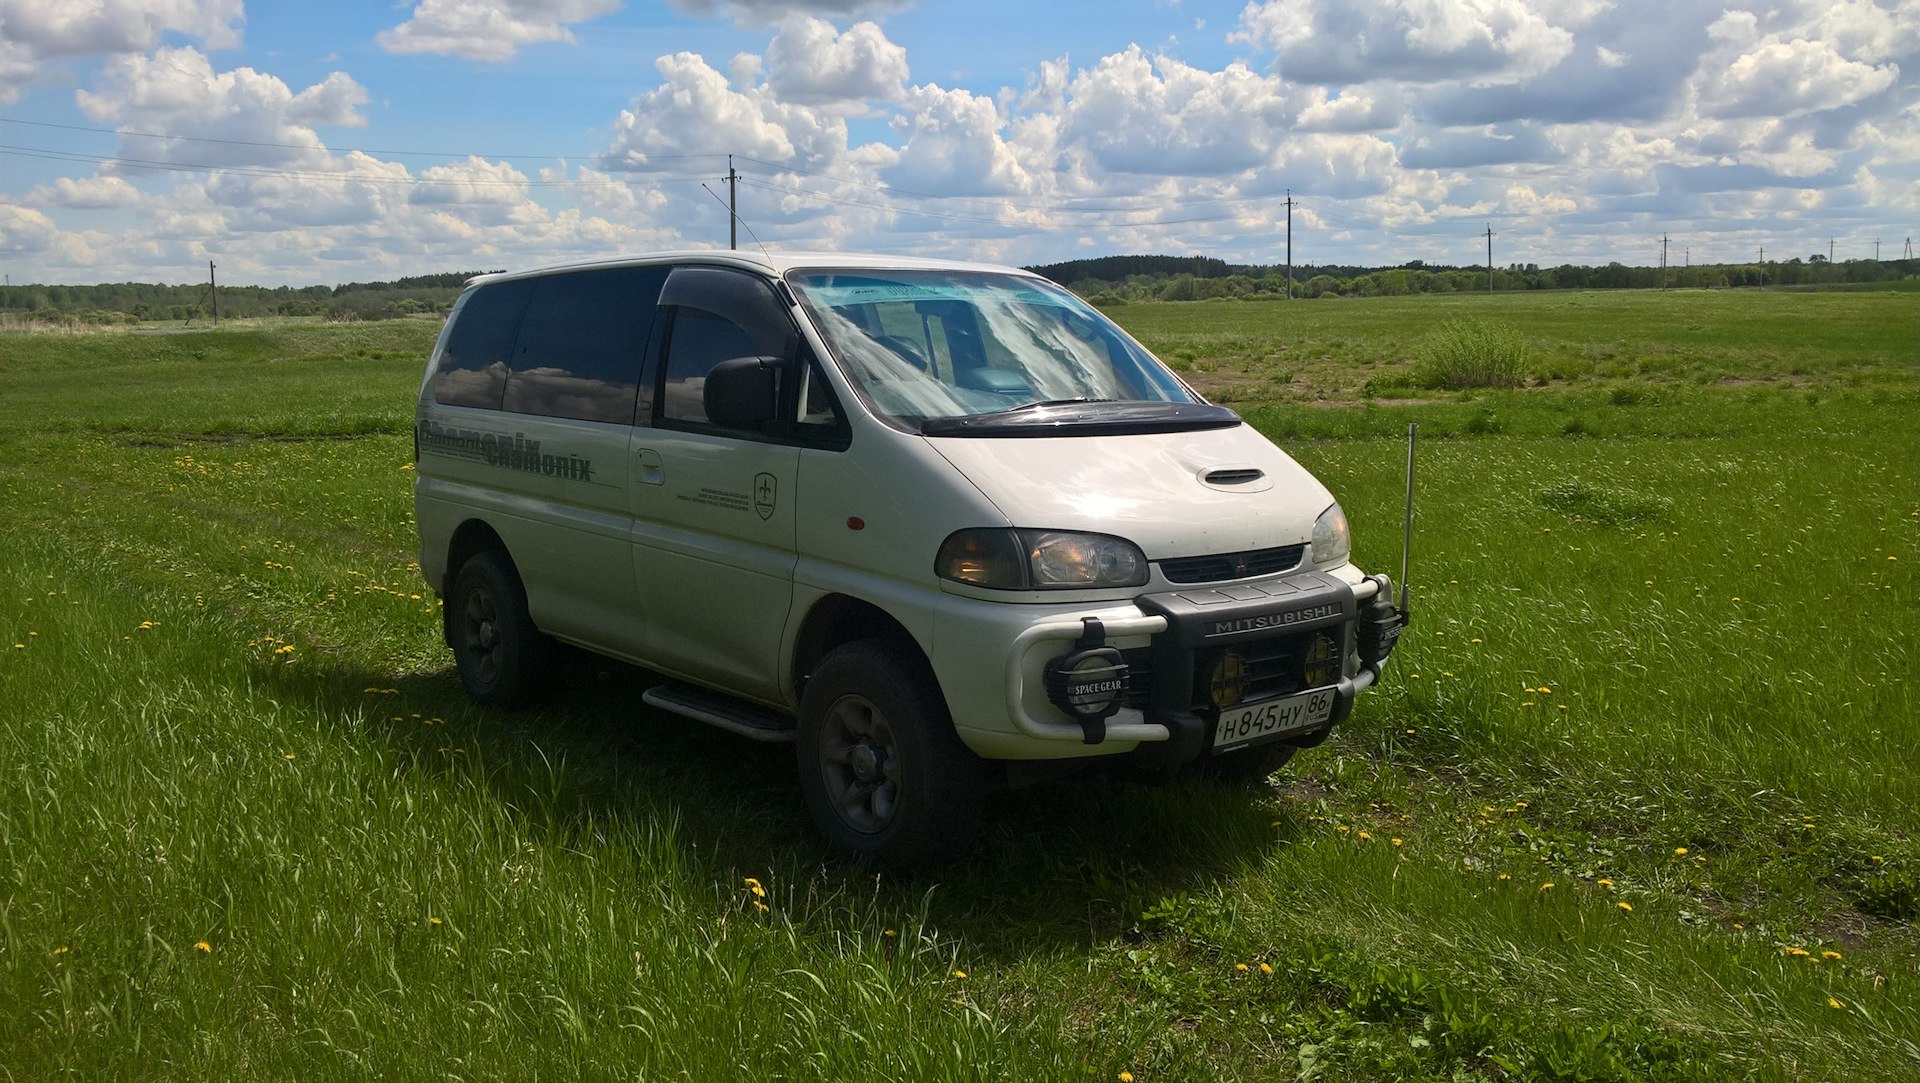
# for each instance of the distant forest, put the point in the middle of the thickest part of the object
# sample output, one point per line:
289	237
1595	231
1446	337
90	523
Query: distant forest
131	302
1109	280
1121	279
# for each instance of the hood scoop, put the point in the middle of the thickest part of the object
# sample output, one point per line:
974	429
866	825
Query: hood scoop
1236	479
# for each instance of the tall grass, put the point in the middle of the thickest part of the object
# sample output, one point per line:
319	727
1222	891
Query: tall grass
228	722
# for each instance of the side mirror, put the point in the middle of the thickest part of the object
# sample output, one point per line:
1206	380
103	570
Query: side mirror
743	392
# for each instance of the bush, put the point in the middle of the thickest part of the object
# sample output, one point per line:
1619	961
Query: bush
1471	353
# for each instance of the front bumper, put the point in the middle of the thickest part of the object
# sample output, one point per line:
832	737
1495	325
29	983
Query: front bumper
1303	631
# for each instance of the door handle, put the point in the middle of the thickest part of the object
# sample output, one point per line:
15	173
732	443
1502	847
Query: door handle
652	469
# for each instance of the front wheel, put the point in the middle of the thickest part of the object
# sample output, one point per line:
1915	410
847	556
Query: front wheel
882	771
496	647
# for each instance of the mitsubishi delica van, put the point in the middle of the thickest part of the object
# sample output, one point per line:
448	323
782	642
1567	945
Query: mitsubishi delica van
939	525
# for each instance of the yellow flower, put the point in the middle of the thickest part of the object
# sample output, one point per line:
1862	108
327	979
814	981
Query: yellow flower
1626	906
1125	1077
1242	967
1364	837
960	974
201	945
762	907
1680	850
1504	876
1829	955
1548	886
288	756
1834	1002
61	950
1265	969
1476	639
1877	859
1399	842
1797	951
889	932
434	921
1603	882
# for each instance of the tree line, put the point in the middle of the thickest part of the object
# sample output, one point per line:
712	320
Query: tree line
133	302
1121	279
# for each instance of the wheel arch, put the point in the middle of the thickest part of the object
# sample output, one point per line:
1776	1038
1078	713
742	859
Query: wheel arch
839	619
472	538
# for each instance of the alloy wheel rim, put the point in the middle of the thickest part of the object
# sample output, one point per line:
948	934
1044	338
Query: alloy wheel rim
860	764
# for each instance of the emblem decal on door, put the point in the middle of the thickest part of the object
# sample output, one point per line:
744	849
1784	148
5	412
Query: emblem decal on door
765	491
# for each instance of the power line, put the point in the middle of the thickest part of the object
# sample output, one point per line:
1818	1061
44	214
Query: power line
340	150
303	174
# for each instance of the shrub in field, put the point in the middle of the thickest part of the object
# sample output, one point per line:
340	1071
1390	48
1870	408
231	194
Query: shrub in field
1604	503
1471	353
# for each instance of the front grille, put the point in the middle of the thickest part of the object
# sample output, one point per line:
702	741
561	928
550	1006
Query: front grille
1223	567
1274	666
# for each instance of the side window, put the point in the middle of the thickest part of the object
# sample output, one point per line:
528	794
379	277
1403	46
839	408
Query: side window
473	367
717	315
581	344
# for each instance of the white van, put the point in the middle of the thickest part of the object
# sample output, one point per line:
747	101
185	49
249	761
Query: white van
938	524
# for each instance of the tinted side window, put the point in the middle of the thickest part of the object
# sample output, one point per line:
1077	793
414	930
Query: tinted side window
717	314
473	367
581	344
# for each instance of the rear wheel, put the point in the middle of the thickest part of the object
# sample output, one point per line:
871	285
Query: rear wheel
881	769
496	648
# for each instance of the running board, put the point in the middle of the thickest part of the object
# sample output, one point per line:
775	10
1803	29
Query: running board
715	709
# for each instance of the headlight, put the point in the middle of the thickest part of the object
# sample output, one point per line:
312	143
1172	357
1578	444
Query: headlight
1331	542
1040	560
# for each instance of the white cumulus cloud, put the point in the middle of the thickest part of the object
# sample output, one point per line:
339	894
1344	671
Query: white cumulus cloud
489	29
1338	42
808	63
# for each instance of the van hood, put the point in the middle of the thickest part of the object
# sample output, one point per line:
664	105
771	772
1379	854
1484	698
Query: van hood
1174	494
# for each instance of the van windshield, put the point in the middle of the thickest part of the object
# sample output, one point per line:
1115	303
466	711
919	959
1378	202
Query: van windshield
974	352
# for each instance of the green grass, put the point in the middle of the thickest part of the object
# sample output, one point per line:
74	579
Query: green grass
1673	625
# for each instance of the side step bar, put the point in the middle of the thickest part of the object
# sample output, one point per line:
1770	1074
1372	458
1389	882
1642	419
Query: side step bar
715	709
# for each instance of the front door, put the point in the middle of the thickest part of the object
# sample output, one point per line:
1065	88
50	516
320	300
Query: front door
713	507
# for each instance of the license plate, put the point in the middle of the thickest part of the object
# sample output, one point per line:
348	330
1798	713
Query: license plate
1254	722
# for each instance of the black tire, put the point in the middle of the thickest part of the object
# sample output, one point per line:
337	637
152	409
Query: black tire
499	653
883	773
1249	764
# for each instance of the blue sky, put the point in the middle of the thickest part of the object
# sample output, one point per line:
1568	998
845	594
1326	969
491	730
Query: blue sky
299	143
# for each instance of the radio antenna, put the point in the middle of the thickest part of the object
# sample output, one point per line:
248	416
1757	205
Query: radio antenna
1406	538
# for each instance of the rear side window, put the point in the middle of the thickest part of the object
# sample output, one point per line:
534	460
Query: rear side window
581	344
473	366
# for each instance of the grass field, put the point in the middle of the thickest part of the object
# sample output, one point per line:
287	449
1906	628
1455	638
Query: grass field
1638	799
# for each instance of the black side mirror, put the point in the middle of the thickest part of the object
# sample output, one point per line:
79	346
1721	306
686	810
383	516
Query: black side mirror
743	392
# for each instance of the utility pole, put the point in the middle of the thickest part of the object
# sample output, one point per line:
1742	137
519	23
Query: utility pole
1489	257
1829	250
213	291
1686	257
1876	250
1289	244
1909	254
1663	261
733	205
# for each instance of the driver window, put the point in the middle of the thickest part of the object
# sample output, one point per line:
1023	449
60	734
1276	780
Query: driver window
717	315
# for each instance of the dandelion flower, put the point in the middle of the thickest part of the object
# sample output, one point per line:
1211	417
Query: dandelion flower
1504	876
61	950
1241	967
1877	859
1399	842
1364	837
1477	639
889	932
1680	850
203	946
1125	1077
1265	969
434	921
1834	1003
962	974
1802	952
1626	906
287	756
1829	955
1603	882
1548	886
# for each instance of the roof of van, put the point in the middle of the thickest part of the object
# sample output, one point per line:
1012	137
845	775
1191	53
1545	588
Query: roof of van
771	262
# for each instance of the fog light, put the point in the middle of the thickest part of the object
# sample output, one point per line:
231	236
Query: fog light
1228	685
1322	664
1089	683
